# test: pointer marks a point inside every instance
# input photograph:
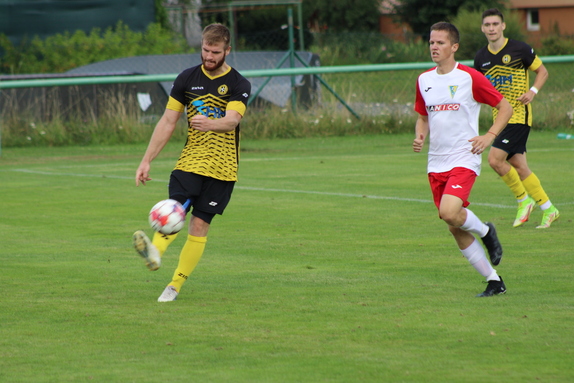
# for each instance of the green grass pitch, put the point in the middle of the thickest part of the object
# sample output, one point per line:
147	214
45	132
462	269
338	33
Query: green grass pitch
329	265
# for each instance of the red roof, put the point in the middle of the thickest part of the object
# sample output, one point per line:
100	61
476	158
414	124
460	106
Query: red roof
521	4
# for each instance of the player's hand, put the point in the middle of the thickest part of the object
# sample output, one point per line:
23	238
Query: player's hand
142	174
526	98
481	143
418	143
201	123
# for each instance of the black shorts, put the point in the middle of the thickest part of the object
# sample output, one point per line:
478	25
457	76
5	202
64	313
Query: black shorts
513	139
208	195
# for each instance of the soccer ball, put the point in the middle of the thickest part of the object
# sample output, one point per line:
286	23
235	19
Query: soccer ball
167	216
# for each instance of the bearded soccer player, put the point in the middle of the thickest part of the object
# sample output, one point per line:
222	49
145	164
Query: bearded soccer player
214	96
506	63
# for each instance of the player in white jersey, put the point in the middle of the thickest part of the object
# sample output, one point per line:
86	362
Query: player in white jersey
448	99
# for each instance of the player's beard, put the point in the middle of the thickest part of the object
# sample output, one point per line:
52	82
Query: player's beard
212	65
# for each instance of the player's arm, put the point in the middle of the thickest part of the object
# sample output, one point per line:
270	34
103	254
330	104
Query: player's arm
421	132
220	125
480	143
161	135
539	81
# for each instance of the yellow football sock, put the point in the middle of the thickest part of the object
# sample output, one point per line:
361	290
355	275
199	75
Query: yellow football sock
188	259
162	241
534	188
512	179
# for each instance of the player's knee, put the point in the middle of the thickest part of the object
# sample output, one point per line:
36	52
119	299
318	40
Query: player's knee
495	163
450	217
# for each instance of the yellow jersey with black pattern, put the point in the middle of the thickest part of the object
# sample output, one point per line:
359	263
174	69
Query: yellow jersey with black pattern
210	154
507	70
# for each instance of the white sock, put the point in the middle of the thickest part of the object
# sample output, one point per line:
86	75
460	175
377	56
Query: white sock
474	225
546	205
477	258
523	199
493	277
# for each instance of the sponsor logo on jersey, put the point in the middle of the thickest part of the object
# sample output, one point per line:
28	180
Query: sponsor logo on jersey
196	88
208	111
506	59
500	81
443	107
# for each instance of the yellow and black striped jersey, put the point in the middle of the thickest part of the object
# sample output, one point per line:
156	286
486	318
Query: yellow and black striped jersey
507	70
210	154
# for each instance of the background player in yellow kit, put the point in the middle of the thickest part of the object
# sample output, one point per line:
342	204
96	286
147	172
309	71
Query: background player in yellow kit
506	63
214	96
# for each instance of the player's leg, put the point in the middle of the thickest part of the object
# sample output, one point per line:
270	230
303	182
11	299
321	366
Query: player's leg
504	159
189	257
147	250
211	200
162	241
511	177
456	216
534	188
153	250
463	223
454	201
476	256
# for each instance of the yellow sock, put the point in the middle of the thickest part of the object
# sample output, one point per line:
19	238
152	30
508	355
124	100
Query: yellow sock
512	179
188	259
162	241
534	188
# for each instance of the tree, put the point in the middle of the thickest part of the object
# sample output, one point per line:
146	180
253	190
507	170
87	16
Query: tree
345	15
471	37
421	14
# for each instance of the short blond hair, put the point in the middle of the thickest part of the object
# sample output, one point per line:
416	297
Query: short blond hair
216	33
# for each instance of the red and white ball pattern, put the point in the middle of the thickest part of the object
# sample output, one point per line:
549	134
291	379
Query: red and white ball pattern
167	216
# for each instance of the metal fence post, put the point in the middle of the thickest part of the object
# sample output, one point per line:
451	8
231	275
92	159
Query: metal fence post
292	59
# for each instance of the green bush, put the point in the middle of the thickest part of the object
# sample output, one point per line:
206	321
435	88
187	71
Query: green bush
62	52
555	44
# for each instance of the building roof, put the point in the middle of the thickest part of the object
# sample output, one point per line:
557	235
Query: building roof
386	6
521	4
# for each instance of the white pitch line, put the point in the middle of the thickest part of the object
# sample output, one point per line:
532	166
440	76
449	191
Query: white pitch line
300	158
365	196
46	173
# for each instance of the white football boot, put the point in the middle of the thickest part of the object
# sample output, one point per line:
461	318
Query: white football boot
147	250
168	295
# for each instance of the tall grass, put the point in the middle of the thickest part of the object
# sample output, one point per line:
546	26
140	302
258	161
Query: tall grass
383	101
66	116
